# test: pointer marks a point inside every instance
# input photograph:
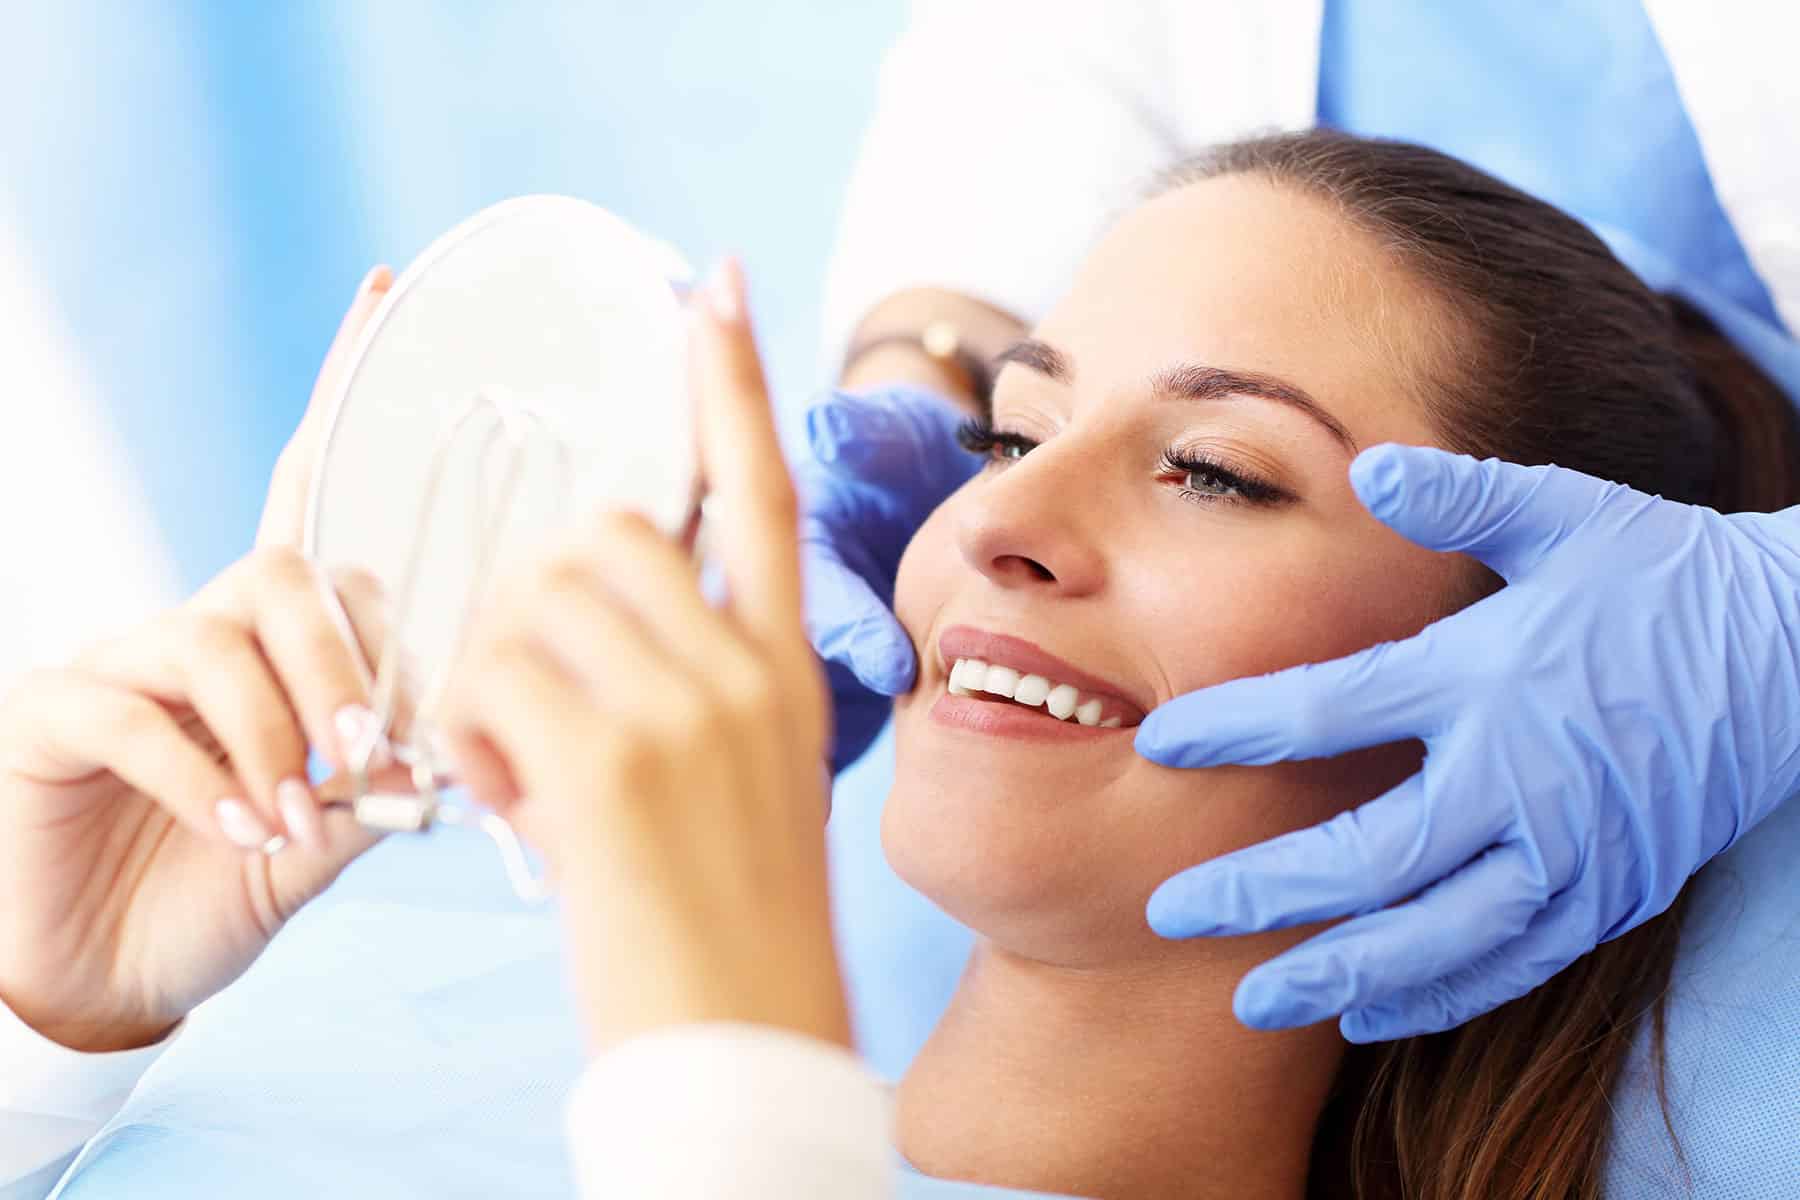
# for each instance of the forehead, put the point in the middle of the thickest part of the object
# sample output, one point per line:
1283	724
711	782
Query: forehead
1240	273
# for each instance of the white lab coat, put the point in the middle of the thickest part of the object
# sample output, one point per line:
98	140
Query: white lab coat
1008	132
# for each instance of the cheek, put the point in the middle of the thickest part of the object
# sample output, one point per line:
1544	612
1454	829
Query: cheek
1058	864
1296	596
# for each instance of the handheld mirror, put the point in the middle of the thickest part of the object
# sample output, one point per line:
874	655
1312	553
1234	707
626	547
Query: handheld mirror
527	369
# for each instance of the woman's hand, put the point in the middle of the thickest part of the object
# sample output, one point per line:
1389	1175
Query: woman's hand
138	784
668	755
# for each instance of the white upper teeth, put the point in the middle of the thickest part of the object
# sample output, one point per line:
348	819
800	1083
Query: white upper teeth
971	675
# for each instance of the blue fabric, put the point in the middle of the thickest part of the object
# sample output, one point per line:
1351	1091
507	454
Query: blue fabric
1581	110
408	1034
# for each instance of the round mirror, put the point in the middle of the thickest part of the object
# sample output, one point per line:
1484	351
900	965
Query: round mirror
527	369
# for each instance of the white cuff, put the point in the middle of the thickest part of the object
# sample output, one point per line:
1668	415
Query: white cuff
39	1076
730	1112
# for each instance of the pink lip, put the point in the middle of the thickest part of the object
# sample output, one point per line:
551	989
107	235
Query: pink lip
964	641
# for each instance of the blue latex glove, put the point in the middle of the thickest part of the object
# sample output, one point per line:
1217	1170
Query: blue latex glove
881	462
1623	710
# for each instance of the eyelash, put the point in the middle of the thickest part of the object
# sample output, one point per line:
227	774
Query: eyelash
978	436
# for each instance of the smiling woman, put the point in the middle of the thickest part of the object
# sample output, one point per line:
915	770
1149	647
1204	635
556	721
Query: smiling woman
1166	506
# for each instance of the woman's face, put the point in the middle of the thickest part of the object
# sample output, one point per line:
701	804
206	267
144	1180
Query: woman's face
1171	509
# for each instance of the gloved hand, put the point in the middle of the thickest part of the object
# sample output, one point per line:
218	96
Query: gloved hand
881	461
1625	709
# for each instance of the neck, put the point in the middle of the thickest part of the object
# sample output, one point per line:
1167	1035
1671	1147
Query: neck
1129	1084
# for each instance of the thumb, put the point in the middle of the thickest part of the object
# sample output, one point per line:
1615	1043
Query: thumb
297	874
848	623
1506	515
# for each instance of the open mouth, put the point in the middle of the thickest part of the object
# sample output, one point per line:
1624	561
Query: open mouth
977	679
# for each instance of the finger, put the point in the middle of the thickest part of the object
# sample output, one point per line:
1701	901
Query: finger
296	618
1443	929
847	623
898	439
1504	514
239	699
570	613
755	510
526	706
1358	861
1387	693
284	513
206	661
1558	935
627	563
83	724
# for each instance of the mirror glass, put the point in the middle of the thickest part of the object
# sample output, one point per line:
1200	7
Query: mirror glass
533	360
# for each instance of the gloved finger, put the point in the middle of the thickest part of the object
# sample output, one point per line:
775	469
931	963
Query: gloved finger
1556	937
847	623
1356	862
1441	930
1387	693
897	439
1506	515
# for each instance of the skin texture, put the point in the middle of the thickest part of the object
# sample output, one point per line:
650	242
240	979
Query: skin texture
1083	1053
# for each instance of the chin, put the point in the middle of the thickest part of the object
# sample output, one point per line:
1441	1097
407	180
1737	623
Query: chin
1052	852
1035	855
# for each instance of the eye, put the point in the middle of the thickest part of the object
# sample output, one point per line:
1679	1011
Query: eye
977	435
1210	480
1205	481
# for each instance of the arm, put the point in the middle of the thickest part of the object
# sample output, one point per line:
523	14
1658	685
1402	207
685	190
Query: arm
740	1110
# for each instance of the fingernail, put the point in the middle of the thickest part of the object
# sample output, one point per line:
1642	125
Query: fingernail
368	281
240	825
723	292
294	800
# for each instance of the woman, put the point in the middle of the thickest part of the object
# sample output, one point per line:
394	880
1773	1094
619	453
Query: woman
1167	505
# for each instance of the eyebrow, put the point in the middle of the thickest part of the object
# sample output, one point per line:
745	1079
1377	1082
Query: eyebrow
1190	382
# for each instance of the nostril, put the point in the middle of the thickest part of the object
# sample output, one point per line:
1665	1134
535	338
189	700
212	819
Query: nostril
1018	562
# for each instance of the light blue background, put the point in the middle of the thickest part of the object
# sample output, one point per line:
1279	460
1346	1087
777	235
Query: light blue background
201	186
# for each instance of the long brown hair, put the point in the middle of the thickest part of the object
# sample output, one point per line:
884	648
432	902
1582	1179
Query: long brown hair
1552	351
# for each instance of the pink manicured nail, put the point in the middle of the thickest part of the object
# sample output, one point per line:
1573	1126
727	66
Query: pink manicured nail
295	802
241	825
368	281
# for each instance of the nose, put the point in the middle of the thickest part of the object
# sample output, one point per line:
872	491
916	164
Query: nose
1031	525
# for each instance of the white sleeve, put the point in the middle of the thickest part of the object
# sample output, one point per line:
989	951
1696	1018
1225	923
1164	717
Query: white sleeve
1005	134
1008	134
730	1112
52	1100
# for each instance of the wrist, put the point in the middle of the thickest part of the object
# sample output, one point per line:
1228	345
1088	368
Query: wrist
900	363
930	337
88	1033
